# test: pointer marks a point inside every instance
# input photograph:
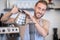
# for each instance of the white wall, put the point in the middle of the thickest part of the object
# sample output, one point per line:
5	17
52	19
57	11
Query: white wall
2	5
54	17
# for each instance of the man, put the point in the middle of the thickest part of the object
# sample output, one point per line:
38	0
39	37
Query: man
41	25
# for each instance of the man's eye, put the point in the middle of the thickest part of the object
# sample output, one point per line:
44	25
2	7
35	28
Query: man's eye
43	9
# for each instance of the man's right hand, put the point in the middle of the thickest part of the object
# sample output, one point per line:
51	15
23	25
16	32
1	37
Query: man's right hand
14	10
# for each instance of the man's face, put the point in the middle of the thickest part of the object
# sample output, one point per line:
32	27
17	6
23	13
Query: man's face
40	10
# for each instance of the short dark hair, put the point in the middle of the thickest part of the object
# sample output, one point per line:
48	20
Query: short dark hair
42	1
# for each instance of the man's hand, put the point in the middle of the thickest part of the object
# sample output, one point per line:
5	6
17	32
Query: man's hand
14	10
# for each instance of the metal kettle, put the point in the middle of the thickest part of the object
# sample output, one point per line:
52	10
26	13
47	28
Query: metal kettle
21	18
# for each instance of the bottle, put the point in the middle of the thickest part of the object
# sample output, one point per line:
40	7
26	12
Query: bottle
55	35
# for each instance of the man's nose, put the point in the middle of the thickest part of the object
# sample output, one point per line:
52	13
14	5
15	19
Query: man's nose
40	11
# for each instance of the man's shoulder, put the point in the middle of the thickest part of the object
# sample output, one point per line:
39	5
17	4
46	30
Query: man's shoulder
45	20
46	23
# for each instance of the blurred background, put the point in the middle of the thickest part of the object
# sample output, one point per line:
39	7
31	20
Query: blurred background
52	13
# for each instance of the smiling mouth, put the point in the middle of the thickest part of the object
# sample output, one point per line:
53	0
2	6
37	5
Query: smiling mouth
39	14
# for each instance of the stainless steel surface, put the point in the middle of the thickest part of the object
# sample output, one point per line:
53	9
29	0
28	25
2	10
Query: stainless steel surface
20	19
5	30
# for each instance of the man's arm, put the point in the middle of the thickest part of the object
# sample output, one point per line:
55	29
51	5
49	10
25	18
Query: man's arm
42	30
6	17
